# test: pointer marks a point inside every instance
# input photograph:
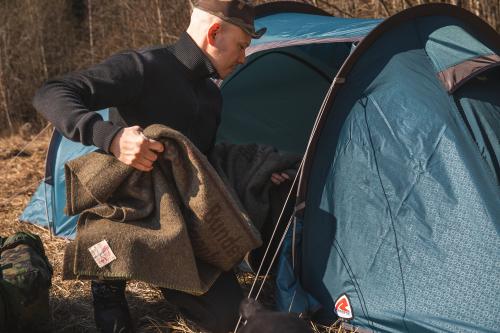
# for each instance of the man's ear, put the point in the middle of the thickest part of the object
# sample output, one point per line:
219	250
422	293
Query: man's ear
212	33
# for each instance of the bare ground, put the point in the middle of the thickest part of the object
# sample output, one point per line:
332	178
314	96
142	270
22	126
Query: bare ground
22	161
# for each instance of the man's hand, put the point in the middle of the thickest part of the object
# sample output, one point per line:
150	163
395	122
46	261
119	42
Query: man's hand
278	178
132	148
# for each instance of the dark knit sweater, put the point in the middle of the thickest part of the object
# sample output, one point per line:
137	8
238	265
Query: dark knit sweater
161	85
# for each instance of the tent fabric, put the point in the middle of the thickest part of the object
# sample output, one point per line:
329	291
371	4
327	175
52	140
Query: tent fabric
402	211
449	45
294	68
448	42
291	88
479	103
456	76
298	299
286	29
39	209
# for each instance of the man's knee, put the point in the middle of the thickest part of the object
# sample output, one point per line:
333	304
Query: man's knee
216	310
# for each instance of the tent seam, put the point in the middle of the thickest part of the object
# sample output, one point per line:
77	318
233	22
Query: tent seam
392	222
361	298
297	58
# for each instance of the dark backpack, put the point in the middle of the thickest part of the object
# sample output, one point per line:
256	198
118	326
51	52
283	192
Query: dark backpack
25	280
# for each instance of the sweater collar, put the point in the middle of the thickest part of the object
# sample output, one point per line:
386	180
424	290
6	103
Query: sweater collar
191	56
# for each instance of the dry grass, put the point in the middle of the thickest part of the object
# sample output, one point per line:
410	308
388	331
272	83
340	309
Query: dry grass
71	306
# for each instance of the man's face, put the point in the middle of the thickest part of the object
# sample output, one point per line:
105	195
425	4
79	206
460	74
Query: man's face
229	49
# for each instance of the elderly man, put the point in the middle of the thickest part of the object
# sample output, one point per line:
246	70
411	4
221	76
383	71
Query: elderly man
169	85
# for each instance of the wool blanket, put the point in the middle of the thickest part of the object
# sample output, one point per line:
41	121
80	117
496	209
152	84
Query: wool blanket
246	169
175	227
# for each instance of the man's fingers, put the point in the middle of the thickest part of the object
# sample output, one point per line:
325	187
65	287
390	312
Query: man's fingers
155	145
280	178
131	147
140	165
276	178
149	155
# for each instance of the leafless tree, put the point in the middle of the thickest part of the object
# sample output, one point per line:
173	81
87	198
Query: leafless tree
44	38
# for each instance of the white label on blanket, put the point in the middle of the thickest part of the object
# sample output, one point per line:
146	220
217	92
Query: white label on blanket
102	254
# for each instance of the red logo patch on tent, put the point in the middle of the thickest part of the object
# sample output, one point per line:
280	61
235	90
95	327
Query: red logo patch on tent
343	307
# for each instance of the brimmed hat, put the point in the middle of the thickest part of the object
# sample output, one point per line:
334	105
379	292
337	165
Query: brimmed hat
237	12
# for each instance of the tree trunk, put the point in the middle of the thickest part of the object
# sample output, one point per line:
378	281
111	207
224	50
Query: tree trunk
160	22
3	87
91	35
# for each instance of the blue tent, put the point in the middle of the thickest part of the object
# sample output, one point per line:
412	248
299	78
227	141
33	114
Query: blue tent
46	207
397	213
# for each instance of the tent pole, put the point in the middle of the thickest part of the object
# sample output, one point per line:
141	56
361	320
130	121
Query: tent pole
50	223
49	220
270	242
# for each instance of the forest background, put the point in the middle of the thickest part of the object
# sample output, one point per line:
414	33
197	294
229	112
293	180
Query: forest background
40	39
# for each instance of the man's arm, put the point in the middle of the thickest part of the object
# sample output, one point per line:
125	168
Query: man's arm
69	103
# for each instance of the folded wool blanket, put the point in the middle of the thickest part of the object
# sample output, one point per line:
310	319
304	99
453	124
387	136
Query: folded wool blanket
247	169
175	227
